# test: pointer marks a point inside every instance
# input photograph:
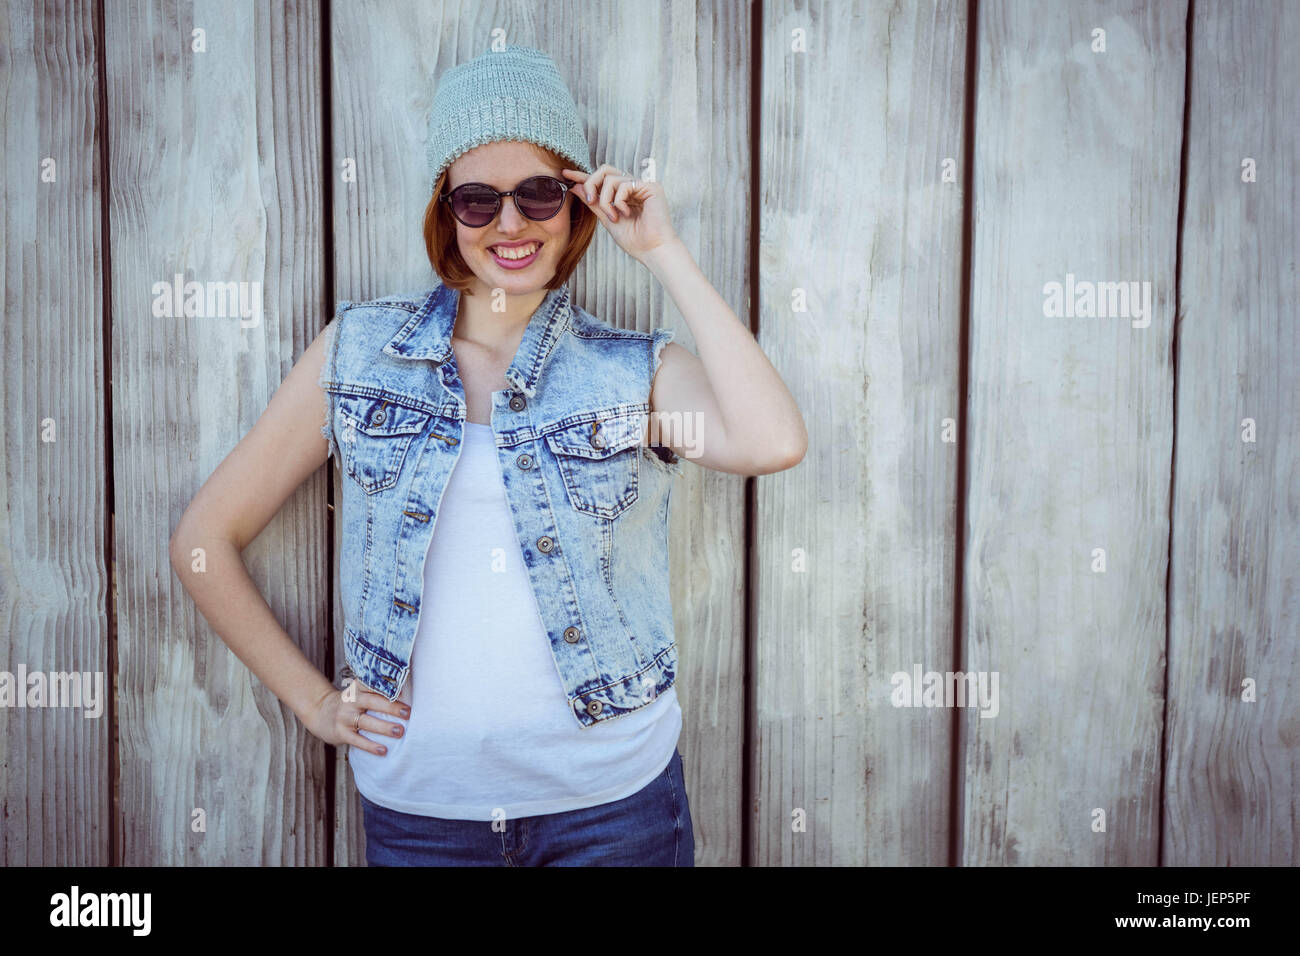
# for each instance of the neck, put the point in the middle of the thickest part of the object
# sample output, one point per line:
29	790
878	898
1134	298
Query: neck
499	331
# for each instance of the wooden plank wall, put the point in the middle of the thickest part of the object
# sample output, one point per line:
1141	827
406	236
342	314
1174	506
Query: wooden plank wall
923	171
1231	759
854	547
54	576
214	172
1068	431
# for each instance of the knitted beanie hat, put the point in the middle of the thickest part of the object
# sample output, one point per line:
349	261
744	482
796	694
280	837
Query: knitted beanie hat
515	93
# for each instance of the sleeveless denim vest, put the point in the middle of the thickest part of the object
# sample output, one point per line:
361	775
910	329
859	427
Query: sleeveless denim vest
589	498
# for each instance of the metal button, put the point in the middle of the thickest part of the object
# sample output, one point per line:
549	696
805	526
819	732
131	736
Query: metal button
524	461
378	417
517	403
594	707
571	634
597	441
544	544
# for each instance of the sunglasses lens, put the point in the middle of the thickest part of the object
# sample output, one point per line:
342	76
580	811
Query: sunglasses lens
474	205
540	197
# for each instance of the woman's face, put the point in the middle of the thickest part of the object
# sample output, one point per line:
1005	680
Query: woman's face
503	165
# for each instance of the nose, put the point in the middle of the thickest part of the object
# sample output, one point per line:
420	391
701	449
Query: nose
510	219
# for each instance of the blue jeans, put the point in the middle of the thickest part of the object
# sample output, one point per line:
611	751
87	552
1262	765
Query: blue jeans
652	827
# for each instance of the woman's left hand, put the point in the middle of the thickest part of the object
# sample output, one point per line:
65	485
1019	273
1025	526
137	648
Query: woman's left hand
634	211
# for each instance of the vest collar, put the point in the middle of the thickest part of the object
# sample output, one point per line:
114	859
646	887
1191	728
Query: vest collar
428	334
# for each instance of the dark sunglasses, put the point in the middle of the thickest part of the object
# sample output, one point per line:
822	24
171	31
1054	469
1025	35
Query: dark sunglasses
476	204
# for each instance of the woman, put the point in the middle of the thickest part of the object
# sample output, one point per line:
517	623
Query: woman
507	458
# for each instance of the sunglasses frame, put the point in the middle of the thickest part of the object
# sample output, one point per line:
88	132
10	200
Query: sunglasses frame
564	194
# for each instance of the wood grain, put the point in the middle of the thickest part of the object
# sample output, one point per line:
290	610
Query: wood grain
54	761
854	547
1233	767
214	173
1072	435
1069	431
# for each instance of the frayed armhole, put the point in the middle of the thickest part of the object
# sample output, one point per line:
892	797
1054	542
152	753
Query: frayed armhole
325	379
661	337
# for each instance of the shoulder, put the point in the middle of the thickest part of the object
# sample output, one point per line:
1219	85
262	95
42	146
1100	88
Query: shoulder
629	355
397	302
586	326
371	317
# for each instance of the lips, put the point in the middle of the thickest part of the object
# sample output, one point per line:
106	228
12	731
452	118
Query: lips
507	255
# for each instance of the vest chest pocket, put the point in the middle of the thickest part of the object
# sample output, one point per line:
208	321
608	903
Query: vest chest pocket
600	464
375	435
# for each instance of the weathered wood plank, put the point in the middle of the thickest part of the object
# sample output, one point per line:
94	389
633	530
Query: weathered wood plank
1233	767
54	761
215	169
661	82
854	547
1069	430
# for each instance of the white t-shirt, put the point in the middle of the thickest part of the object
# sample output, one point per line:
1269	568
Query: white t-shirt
490	729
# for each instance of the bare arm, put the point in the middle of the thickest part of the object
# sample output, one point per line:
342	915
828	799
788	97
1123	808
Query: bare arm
748	422
241	497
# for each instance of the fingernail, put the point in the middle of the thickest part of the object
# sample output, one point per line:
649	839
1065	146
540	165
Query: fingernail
397	731
590	194
406	712
383	750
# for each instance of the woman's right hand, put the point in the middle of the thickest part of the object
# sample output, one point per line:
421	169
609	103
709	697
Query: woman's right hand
339	718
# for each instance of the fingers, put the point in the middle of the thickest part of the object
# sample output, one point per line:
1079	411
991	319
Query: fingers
605	190
359	720
624	190
597	180
608	185
353	718
368	698
353	738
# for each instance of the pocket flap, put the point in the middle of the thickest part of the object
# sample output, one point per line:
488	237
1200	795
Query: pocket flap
380	417
599	438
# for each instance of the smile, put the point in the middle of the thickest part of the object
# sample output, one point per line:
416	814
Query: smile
515	257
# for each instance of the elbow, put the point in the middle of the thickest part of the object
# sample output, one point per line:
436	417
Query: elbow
785	460
176	546
194	539
793	454
798	450
182	544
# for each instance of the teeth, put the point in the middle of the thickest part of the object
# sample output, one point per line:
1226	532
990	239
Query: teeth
521	252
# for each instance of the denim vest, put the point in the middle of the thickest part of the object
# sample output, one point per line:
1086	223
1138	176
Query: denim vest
590	500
